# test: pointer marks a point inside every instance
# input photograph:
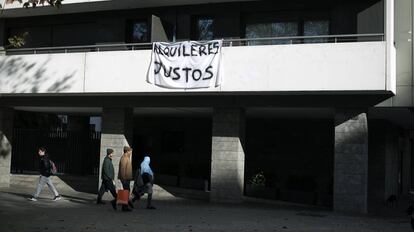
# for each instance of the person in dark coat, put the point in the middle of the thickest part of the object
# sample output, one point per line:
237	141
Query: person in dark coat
107	176
45	169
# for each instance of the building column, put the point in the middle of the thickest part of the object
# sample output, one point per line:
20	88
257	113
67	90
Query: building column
227	155
351	161
6	132
117	132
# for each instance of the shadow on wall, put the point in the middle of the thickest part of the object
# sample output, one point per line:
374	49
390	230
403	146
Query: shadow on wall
17	75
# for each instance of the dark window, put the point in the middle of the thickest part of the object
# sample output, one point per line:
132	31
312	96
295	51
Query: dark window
271	25
279	29
204	28
138	31
314	28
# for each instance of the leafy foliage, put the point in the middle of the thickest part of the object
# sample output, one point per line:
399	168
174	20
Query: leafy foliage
18	41
258	179
34	3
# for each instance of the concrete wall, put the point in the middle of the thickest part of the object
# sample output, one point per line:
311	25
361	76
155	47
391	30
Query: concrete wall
404	51
351	161
371	20
227	155
6	138
323	67
117	132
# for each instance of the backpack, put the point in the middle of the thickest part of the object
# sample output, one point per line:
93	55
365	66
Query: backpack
53	168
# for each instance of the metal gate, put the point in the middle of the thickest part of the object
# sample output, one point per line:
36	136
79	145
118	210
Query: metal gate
73	152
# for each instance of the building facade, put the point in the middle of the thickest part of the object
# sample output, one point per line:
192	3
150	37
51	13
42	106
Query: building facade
316	95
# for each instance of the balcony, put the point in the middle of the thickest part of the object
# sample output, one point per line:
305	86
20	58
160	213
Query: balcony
301	64
77	6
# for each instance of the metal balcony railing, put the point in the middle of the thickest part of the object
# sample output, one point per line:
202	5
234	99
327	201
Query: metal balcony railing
226	43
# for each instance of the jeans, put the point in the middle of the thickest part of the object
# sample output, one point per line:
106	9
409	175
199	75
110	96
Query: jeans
42	181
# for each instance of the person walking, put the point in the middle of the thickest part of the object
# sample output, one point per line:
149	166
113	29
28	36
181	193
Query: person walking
125	173
107	176
144	181
45	168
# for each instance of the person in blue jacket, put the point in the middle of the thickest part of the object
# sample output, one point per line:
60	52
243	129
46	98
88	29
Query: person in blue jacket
144	181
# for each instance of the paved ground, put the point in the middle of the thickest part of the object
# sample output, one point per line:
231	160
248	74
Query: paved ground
76	212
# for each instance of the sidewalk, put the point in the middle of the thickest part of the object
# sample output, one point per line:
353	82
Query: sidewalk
77	212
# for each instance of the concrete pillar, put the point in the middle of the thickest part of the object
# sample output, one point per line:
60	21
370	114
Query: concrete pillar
227	158
117	132
6	132
351	161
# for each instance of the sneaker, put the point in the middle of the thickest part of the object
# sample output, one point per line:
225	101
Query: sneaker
32	199
57	198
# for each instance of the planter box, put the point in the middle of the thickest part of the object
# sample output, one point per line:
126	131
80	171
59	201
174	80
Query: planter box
166	180
260	192
192	183
299	196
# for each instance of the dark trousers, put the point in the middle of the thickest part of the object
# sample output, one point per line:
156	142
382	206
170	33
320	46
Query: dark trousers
107	185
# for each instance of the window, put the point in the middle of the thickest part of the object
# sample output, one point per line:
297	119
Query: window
265	25
313	28
204	28
139	32
278	29
285	29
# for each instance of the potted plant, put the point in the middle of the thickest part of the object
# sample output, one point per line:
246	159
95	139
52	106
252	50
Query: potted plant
256	187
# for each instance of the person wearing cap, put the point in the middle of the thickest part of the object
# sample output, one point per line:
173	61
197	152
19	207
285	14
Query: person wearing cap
107	176
125	173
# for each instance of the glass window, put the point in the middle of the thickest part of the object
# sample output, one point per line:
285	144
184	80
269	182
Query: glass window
205	29
284	29
280	29
313	28
140	32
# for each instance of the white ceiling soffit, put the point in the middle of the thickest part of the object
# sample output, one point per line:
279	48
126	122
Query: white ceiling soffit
76	6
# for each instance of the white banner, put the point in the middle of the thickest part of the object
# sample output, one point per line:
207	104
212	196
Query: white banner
185	65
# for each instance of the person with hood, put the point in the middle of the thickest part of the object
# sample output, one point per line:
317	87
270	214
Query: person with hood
144	181
45	172
125	173
107	176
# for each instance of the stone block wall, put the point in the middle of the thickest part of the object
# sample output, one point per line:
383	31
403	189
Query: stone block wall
351	161
227	164
6	132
